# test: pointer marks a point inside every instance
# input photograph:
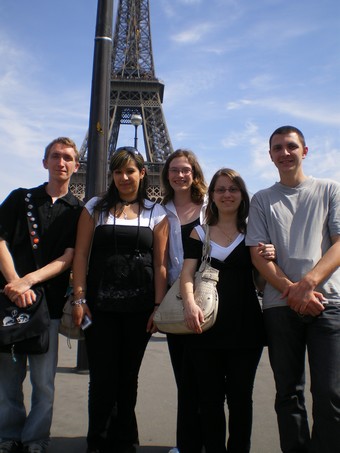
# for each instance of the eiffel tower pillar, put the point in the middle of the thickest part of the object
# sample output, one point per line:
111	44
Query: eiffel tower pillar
134	89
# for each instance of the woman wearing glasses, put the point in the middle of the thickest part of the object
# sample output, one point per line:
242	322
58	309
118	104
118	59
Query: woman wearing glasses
184	192
222	361
126	280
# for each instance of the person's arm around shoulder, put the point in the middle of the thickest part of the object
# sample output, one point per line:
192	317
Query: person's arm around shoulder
85	231
193	315
160	265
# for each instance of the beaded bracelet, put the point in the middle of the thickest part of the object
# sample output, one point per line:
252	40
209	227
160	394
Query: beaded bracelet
78	302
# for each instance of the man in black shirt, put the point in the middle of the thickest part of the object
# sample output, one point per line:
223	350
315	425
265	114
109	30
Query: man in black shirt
57	212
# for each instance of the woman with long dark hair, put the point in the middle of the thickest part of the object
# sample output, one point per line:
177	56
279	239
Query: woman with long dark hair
125	282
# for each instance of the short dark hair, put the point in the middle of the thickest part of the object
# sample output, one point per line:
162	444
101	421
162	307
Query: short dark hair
64	141
283	130
211	213
198	187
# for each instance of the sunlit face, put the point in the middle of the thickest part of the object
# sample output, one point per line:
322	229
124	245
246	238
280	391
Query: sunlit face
61	162
127	180
180	174
226	195
287	152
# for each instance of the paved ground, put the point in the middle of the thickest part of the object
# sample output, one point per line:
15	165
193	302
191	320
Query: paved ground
156	408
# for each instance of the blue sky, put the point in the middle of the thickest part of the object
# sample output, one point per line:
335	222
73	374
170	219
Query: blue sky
234	70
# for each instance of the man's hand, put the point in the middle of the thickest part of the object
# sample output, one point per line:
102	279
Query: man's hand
303	299
17	288
25	300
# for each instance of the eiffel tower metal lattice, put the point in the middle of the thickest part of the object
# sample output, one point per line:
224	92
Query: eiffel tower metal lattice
134	89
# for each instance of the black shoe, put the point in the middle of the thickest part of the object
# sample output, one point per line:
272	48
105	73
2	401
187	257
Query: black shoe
10	446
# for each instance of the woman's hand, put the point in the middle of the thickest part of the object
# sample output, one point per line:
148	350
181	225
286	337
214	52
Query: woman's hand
267	251
193	317
151	327
78	313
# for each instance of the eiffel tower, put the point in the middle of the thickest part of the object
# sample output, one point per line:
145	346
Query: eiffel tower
134	89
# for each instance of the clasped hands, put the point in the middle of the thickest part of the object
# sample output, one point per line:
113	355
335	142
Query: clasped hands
20	293
303	299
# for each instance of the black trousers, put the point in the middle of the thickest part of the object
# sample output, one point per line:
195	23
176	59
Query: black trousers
188	404
219	375
115	343
176	345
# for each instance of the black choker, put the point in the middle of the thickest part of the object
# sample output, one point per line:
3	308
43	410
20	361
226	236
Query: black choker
127	203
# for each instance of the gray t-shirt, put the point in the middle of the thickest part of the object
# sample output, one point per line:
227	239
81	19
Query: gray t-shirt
300	222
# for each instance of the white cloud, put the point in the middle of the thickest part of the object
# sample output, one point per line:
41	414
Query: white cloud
194	34
325	113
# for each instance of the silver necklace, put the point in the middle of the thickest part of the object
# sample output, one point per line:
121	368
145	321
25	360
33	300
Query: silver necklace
230	237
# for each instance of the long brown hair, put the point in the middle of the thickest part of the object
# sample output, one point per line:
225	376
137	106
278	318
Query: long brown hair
211	215
198	187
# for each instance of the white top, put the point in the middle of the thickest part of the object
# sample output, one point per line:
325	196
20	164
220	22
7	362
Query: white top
218	251
176	252
147	217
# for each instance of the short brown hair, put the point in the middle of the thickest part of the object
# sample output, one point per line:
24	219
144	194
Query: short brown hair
64	141
283	130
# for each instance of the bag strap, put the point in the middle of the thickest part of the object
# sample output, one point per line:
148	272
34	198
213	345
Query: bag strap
206	250
33	229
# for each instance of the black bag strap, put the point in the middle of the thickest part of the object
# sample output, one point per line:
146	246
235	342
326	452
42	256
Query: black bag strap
33	228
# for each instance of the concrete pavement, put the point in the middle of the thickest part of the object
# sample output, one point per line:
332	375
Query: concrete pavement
156	407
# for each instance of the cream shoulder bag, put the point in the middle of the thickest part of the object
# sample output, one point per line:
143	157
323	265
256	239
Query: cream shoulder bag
169	317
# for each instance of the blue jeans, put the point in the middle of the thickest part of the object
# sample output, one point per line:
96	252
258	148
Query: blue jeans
15	424
289	337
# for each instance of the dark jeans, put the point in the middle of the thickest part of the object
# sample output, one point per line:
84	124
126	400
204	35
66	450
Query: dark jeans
289	336
115	343
219	374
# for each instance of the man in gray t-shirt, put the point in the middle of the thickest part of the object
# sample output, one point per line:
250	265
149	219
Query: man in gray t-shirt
301	217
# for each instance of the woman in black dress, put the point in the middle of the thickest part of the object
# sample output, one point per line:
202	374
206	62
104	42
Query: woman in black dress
125	281
224	359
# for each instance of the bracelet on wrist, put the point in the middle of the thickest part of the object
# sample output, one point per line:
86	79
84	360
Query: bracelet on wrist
156	305
76	302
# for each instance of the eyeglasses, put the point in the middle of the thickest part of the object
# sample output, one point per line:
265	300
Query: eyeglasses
185	170
222	190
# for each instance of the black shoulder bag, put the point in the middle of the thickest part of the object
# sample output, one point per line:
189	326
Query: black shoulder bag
25	330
